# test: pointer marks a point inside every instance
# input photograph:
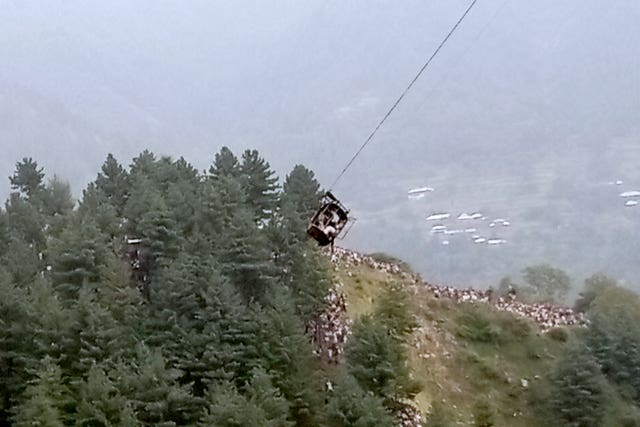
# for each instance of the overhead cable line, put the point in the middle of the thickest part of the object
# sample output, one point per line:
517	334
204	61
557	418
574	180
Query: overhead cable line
395	104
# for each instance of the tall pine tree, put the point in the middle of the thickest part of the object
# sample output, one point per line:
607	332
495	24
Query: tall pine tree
260	184
113	182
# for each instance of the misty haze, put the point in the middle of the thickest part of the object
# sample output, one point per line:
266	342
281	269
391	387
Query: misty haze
530	113
511	165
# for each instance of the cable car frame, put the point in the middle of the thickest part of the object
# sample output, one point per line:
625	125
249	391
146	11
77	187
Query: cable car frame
329	221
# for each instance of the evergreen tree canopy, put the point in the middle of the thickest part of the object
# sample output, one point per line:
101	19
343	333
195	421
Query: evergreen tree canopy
299	200
213	333
287	355
26	221
45	400
578	390
614	337
262	405
394	311
225	164
349	406
100	402
27	178
57	198
96	205
144	165
377	361
259	183
76	256
301	191
113	182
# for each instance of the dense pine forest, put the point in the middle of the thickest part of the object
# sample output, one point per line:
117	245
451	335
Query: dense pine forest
213	332
168	296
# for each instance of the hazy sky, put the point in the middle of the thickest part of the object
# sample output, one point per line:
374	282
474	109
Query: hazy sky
532	108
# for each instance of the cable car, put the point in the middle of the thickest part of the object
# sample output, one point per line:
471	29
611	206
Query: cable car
328	221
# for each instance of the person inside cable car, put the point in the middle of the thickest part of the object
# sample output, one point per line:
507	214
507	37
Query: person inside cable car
328	221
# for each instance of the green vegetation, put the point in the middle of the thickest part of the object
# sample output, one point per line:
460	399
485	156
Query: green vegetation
212	325
203	321
478	366
546	283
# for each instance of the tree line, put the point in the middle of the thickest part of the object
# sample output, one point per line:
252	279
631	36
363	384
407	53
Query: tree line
216	336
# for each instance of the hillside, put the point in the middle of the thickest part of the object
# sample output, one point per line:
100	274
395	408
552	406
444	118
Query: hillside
170	297
509	364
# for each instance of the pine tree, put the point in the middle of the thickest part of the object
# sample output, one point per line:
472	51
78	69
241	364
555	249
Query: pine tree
48	331
159	232
96	205
21	259
231	336
143	166
578	394
144	196
225	165
260	185
306	272
26	222
4	233
152	389
287	356
614	337
394	311
113	182
100	403
237	243
299	265
14	318
57	197
98	337
301	193
76	256
171	319
377	361
46	399
261	405
229	408
116	293
183	201
27	178
261	392
349	405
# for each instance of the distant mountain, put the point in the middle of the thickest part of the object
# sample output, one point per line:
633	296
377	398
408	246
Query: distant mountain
527	113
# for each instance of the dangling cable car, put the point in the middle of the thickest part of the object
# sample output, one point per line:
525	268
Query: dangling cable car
331	218
328	221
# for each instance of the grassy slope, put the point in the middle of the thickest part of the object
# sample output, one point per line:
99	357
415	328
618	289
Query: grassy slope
459	370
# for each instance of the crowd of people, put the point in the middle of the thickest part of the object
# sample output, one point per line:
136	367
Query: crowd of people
408	414
546	315
330	328
354	259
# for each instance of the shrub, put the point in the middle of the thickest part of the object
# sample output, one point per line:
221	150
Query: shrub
559	334
517	327
483	413
440	415
474	325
